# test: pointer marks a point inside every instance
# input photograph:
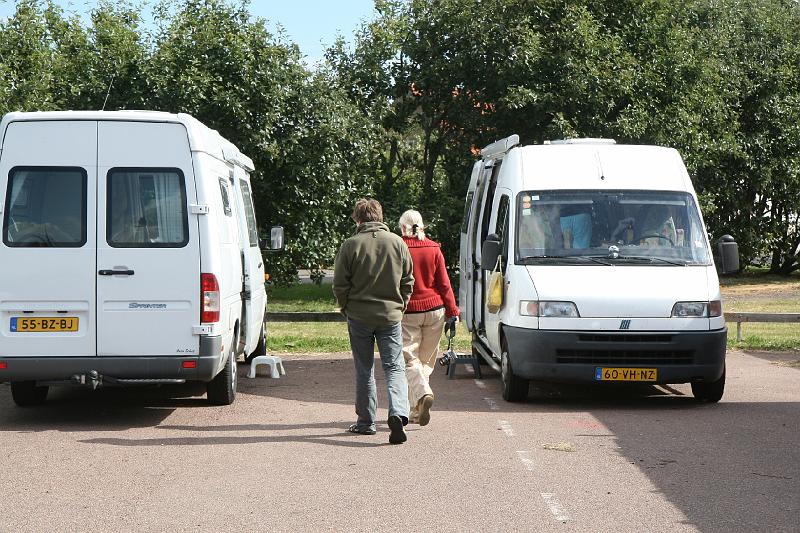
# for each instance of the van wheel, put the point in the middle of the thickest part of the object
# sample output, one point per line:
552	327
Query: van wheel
27	393
222	389
261	347
515	389
709	392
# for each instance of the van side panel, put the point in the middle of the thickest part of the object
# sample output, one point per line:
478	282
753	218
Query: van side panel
52	168
148	241
219	239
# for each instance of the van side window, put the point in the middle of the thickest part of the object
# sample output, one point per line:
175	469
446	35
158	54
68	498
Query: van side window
467	210
226	202
45	207
249	212
501	229
146	208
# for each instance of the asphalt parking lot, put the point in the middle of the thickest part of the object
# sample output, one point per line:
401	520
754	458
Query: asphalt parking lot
279	459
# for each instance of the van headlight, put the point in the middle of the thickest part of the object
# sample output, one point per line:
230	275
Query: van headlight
548	309
697	309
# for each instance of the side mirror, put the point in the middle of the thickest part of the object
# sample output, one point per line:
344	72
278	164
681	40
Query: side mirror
490	251
275	243
728	255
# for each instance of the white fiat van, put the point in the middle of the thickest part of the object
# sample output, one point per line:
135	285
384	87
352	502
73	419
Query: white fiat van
607	272
129	253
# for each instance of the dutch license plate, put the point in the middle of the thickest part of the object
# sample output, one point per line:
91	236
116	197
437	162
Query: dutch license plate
43	323
625	374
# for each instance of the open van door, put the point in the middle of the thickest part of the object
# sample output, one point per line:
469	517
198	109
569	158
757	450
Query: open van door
466	251
148	251
254	295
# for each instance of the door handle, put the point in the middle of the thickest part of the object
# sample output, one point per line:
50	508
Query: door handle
116	272
259	265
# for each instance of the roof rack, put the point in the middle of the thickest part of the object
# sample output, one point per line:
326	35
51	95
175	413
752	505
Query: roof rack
582	141
500	147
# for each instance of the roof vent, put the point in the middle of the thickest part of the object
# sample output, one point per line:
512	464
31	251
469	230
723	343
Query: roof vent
582	141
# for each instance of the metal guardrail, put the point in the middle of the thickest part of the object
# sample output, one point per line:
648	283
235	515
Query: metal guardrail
784	318
305	317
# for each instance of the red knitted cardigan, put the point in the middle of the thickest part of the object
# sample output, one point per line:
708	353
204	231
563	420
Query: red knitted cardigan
432	287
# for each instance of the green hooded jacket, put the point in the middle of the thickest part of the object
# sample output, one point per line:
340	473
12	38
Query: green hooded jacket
373	276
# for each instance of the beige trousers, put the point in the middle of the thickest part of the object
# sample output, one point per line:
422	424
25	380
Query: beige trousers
421	335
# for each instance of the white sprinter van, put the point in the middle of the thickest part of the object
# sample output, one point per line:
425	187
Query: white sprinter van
129	253
608	275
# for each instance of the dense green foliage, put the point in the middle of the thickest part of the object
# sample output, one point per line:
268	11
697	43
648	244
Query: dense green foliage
402	113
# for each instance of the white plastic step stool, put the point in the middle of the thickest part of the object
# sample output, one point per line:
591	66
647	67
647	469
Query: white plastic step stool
275	366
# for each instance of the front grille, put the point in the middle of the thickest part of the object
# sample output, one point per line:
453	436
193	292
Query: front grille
600	337
626	357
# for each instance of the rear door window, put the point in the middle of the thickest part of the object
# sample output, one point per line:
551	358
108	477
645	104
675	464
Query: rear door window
146	208
45	207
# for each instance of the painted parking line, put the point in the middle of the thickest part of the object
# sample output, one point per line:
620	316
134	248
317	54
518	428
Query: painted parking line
480	384
555	507
491	403
525	457
506	427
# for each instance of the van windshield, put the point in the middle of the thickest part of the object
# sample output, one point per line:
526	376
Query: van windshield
609	227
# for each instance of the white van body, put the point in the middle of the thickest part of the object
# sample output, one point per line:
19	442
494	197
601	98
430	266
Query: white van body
626	303
129	253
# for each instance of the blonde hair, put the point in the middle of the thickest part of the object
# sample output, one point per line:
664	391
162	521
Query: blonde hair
411	224
367	210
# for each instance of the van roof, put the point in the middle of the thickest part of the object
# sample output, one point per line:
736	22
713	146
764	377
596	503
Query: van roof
600	166
201	137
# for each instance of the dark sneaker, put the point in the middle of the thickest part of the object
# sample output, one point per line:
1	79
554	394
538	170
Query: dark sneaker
425	404
398	434
361	430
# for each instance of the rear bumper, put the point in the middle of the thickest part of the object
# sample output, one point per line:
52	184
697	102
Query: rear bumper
208	364
574	356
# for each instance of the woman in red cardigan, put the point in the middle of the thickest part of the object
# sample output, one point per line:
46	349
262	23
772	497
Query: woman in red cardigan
431	301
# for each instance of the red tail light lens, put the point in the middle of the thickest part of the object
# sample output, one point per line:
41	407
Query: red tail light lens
189	364
3	365
209	297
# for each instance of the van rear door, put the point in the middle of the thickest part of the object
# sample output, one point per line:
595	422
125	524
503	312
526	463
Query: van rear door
148	252
47	286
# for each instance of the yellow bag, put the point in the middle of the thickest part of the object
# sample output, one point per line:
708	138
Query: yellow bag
494	294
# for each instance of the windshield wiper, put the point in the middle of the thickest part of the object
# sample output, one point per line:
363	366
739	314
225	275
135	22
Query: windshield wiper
650	259
565	258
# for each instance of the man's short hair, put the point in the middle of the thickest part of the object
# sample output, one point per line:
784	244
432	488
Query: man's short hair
367	210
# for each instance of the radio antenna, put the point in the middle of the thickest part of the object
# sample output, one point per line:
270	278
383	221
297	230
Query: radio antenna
109	91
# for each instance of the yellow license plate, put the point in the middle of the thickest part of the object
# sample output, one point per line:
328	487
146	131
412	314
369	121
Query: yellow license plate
625	374
43	323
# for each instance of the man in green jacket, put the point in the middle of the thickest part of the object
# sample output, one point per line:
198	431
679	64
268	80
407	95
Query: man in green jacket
373	280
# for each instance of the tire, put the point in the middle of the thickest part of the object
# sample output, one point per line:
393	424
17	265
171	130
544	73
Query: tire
28	394
515	389
261	347
222	389
709	392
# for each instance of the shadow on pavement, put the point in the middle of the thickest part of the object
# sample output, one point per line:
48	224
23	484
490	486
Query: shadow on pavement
339	438
106	409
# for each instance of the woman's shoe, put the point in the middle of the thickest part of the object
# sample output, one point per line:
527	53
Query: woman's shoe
361	430
425	404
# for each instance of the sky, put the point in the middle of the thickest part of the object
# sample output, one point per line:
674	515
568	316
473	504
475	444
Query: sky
312	24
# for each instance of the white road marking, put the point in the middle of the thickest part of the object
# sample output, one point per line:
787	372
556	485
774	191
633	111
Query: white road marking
524	456
492	404
506	427
480	384
555	507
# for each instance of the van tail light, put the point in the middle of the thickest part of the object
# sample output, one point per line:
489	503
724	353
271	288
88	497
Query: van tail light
3	365
209	296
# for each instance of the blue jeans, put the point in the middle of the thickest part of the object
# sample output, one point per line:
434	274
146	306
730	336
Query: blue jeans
390	346
581	227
